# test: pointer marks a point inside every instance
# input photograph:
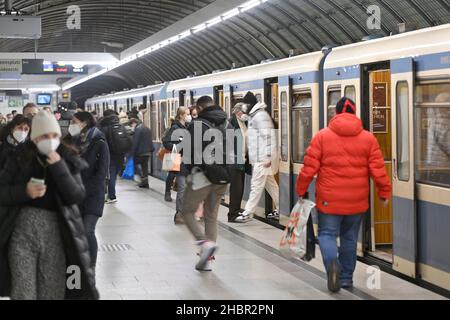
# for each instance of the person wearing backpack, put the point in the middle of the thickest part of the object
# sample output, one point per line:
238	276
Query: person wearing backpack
263	155
207	180
119	143
142	149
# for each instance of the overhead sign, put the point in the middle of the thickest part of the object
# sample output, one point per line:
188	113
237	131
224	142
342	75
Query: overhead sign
11	66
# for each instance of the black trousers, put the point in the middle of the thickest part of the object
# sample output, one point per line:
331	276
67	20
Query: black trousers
142	162
169	180
236	192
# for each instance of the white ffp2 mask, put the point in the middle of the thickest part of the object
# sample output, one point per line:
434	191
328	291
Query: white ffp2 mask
20	135
47	146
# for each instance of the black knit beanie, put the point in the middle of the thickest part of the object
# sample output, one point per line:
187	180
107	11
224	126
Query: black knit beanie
345	105
250	99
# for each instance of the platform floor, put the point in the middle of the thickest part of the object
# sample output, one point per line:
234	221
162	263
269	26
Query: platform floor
145	256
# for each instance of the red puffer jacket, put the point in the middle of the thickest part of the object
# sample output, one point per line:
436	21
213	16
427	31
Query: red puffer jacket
344	156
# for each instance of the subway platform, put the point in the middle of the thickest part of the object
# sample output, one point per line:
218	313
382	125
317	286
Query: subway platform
144	256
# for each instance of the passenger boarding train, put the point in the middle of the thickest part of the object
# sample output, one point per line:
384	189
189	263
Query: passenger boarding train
401	85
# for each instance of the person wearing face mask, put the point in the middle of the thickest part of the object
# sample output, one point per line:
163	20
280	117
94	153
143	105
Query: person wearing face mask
175	137
15	133
141	150
93	148
41	228
241	164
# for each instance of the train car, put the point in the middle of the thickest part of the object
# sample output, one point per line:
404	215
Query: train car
401	85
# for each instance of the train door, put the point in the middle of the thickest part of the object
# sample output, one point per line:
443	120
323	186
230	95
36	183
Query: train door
115	105
377	117
181	98
271	98
403	183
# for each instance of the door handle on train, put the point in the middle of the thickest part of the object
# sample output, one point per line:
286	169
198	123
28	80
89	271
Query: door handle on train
394	163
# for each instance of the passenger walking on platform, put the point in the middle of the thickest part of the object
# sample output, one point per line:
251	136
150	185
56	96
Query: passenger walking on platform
241	165
263	155
119	144
93	148
41	229
30	110
12	135
199	184
182	119
142	149
343	156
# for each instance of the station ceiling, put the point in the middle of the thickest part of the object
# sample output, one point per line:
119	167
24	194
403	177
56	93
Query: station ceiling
270	30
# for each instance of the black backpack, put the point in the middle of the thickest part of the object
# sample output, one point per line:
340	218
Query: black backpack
218	173
120	141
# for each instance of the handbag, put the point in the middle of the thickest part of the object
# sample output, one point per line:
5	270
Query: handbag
298	239
172	161
162	152
128	173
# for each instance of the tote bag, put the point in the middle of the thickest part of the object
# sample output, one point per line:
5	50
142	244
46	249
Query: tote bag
128	173
172	161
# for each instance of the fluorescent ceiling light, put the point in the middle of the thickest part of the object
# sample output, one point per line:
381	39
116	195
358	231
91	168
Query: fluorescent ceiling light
225	16
231	14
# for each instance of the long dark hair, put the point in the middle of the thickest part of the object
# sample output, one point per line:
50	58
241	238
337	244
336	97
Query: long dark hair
87	118
8	129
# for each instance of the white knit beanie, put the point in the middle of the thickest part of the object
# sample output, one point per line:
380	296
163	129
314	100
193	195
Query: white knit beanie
44	123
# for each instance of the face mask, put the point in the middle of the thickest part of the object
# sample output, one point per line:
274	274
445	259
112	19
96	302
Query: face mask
188	119
20	135
74	130
47	146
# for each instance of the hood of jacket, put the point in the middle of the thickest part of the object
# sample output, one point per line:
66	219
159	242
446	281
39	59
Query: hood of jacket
107	121
257	107
213	114
346	124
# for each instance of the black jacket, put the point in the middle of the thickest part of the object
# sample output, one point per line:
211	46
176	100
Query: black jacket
104	125
13	196
168	143
6	149
213	115
96	154
142	141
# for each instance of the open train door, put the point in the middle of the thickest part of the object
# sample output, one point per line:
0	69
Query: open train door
403	182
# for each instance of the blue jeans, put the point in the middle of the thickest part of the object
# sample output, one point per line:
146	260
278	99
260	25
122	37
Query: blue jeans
114	169
347	228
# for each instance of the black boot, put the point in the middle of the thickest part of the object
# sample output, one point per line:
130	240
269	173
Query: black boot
168	197
333	273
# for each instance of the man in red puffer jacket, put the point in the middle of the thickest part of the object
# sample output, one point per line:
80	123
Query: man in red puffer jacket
343	156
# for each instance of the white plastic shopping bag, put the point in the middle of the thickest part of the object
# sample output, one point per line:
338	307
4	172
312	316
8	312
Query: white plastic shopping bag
172	161
294	242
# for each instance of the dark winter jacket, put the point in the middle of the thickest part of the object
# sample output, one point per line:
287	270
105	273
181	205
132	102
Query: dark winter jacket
6	149
105	124
142	141
214	116
13	196
168	141
94	150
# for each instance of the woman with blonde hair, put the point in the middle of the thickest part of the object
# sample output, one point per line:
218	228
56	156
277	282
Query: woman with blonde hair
182	119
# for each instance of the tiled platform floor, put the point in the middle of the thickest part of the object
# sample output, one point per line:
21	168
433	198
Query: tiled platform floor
160	263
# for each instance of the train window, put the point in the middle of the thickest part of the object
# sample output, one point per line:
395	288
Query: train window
154	120
164	120
403	131
432	126
333	97
350	92
301	125
227	105
284	126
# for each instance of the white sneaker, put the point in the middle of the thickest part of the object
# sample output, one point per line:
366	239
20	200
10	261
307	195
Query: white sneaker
208	248
110	201
244	218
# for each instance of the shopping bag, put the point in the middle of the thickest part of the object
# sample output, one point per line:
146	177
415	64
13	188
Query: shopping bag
298	239
128	173
162	152
172	161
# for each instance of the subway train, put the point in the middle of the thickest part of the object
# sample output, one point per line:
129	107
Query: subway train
401	85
